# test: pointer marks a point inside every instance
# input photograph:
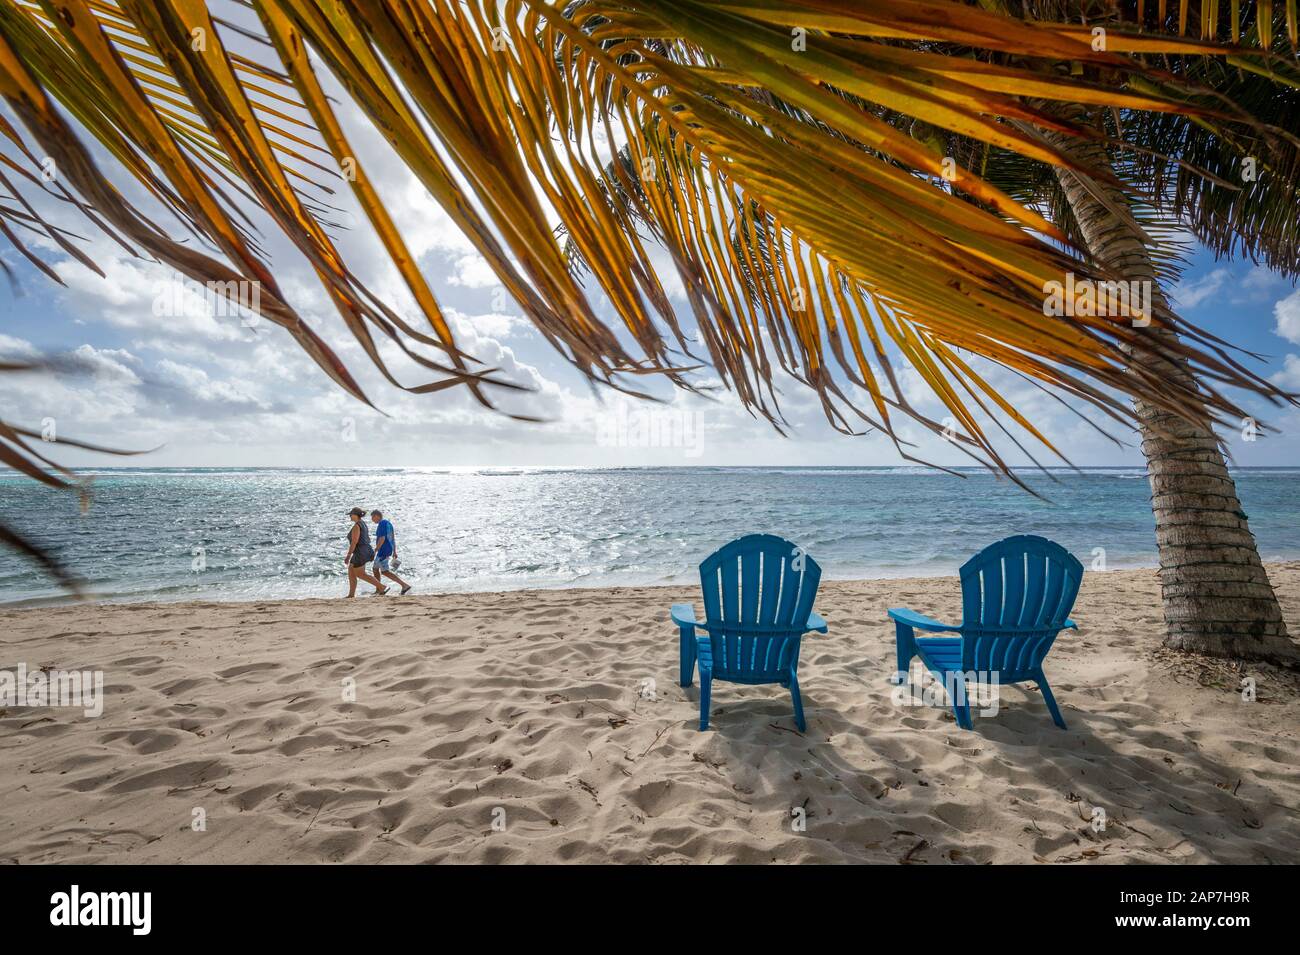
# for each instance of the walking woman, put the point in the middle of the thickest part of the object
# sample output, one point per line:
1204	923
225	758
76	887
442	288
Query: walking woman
360	553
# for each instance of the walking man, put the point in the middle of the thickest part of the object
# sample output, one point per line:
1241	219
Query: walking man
386	550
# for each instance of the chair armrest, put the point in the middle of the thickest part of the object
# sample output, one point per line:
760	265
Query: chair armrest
815	622
919	621
1071	625
684	615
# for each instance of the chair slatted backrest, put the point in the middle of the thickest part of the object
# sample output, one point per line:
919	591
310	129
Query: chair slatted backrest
758	593
1016	596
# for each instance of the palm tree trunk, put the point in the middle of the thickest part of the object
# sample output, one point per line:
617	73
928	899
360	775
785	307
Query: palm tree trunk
1216	593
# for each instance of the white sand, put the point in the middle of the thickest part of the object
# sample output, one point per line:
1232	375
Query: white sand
525	707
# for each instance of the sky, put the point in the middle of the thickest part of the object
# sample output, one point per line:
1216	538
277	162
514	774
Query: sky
161	370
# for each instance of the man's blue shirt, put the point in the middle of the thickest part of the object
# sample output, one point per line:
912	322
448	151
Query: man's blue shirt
385	530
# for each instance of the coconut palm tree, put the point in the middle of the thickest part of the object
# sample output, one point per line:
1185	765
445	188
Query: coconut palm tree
1183	175
741	120
1217	596
1216	592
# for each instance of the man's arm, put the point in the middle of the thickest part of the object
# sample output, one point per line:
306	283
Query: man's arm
379	544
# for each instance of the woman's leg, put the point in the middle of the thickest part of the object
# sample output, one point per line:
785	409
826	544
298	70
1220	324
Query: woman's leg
373	581
352	580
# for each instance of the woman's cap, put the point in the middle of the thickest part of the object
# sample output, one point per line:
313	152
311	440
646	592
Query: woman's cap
357	512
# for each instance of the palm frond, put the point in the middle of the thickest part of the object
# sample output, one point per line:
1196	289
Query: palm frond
808	231
21	450
1235	187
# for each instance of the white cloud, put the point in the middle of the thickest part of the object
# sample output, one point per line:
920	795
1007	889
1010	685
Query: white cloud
1287	313
95	396
195	383
473	271
490	324
1191	294
16	348
106	363
1260	278
139	295
1289	377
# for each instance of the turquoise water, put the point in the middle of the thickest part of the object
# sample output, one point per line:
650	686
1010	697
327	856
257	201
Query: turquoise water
250	534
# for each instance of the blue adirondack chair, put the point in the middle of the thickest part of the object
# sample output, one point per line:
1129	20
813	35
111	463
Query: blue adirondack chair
1016	597
758	598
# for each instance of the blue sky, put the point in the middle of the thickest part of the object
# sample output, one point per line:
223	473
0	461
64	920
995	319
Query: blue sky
212	392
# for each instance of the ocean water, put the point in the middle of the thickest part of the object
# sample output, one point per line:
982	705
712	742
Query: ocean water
252	534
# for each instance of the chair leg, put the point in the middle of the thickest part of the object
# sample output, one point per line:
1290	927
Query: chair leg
961	702
686	638
1050	700
963	717
798	704
706	688
905	648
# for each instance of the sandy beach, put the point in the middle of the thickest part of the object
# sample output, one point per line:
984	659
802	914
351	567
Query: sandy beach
519	727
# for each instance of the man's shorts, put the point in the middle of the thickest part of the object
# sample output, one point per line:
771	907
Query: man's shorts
381	564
